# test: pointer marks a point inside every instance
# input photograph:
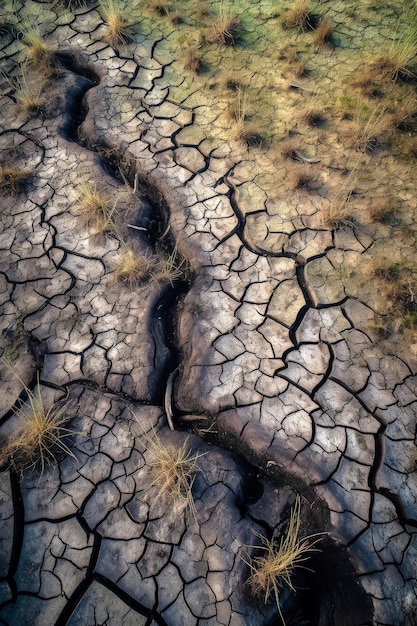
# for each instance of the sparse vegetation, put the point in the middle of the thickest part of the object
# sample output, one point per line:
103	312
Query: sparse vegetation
397	282
386	211
398	62
169	269
133	269
244	128
28	92
339	211
15	343
402	114
12	179
192	59
302	177
370	128
226	28
159	7
231	82
172	471
98	210
312	115
336	213
249	132
287	148
346	106
298	16
410	147
175	17
279	559
117	32
290	59
322	35
40	436
38	53
201	10
377	77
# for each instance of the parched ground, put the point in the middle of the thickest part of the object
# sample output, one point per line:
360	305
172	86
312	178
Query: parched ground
263	189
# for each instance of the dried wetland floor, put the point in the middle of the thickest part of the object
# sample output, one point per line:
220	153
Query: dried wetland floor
208	288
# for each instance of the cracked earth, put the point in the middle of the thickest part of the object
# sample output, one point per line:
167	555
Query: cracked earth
261	358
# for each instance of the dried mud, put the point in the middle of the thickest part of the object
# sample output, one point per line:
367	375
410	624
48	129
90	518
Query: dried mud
275	349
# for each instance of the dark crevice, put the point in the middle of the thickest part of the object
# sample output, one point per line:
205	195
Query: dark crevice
18	531
76	109
163	328
395	499
122	167
328	371
241	217
333	593
90	384
378	459
292	331
136	606
92	576
302	280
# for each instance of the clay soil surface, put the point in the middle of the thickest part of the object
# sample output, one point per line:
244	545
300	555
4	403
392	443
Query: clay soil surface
208	284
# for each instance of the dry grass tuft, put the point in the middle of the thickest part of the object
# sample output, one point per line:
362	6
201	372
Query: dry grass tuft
298	16
175	17
38	54
28	88
398	62
133	269
159	7
252	134
192	59
377	76
98	210
12	179
339	211
403	115
290	59
40	437
248	132
312	116
368	82
201	10
380	268
322	35
395	280
399	280
301	177
274	568
169	269
287	149
231	82
370	130
225	28
117	32
172	471
386	211
244	128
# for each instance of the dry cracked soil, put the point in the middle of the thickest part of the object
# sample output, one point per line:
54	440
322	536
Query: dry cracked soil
207	250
